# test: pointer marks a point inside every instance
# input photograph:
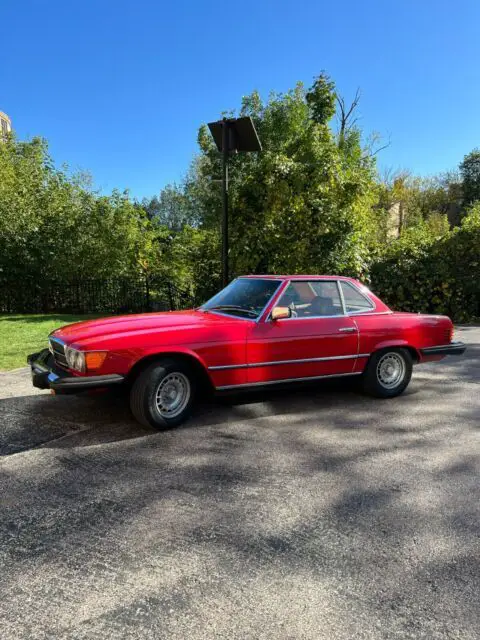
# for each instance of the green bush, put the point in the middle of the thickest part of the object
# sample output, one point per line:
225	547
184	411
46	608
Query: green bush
426	272
53	226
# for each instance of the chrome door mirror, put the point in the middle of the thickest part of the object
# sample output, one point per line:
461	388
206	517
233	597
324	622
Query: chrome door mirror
279	313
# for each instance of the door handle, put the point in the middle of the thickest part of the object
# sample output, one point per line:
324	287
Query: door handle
347	329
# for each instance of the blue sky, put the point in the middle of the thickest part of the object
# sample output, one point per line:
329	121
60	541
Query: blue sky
120	88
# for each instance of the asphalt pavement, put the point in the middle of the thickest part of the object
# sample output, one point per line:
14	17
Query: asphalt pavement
311	513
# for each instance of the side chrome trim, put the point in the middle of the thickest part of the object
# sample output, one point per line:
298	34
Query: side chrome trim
253	365
221	367
287	380
338	315
440	346
369	313
353	314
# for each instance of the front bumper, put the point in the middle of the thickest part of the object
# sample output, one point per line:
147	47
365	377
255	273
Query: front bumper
452	349
47	375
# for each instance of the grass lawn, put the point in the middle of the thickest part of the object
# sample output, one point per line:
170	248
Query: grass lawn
21	335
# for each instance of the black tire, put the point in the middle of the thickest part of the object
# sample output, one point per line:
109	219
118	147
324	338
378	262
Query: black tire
376	380
143	393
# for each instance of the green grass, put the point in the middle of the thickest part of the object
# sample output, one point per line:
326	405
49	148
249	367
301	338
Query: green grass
21	335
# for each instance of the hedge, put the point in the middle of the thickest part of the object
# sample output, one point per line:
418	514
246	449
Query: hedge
421	273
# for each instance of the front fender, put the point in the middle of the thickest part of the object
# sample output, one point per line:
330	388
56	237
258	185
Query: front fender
125	362
172	350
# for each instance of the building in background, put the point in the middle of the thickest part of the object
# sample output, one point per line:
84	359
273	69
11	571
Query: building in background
5	125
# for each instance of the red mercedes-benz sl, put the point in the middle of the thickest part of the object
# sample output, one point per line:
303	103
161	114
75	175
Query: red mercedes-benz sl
259	330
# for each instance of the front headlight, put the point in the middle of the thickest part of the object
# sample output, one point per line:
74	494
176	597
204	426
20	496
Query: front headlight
75	359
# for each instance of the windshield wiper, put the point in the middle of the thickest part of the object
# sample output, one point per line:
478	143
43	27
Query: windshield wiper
233	307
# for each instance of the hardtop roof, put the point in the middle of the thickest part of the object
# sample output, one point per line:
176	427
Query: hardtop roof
297	276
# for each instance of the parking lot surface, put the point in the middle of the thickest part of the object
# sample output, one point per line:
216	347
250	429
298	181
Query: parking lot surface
311	513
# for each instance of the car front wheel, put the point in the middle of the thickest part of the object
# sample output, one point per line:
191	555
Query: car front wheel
162	395
388	373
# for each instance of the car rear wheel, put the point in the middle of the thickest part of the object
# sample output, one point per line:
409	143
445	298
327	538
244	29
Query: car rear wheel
162	394
388	373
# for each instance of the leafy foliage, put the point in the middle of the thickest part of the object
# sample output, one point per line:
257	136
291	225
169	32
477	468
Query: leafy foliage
170	209
470	171
305	203
52	226
433	269
312	201
421	197
321	99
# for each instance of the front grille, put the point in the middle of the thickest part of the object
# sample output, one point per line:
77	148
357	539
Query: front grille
58	350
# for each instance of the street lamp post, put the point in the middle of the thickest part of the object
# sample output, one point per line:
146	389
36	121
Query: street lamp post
231	135
225	151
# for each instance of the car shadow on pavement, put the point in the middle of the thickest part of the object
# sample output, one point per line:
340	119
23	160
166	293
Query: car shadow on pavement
42	420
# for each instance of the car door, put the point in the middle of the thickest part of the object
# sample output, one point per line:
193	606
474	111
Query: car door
318	340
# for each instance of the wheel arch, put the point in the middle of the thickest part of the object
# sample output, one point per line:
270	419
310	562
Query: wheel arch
398	344
204	380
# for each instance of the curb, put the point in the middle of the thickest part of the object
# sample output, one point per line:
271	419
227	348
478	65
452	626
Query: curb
4	373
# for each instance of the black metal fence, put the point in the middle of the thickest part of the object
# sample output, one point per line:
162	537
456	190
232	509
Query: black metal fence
109	295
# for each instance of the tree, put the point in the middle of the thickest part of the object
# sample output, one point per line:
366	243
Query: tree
346	114
302	205
53	227
433	268
470	172
171	208
414	199
321	98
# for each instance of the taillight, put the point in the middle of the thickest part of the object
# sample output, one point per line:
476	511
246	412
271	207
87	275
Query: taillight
447	335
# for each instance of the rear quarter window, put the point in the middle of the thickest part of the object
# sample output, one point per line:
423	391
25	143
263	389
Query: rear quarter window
355	301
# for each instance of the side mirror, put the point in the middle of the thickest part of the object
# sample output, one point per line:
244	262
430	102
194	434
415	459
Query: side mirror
279	313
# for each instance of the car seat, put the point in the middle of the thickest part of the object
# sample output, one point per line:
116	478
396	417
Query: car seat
322	306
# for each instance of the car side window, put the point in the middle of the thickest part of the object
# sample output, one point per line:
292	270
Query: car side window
355	302
312	299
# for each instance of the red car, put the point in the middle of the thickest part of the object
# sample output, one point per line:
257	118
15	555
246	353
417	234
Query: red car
259	330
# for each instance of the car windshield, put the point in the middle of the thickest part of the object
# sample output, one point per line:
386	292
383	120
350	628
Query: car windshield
244	297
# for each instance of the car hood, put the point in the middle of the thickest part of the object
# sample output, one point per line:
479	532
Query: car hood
118	326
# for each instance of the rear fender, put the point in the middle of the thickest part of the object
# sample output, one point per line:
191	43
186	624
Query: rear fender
386	344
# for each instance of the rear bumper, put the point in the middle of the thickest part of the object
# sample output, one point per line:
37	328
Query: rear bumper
46	375
452	349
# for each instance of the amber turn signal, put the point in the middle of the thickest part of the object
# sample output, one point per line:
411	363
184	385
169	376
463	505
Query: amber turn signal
94	359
